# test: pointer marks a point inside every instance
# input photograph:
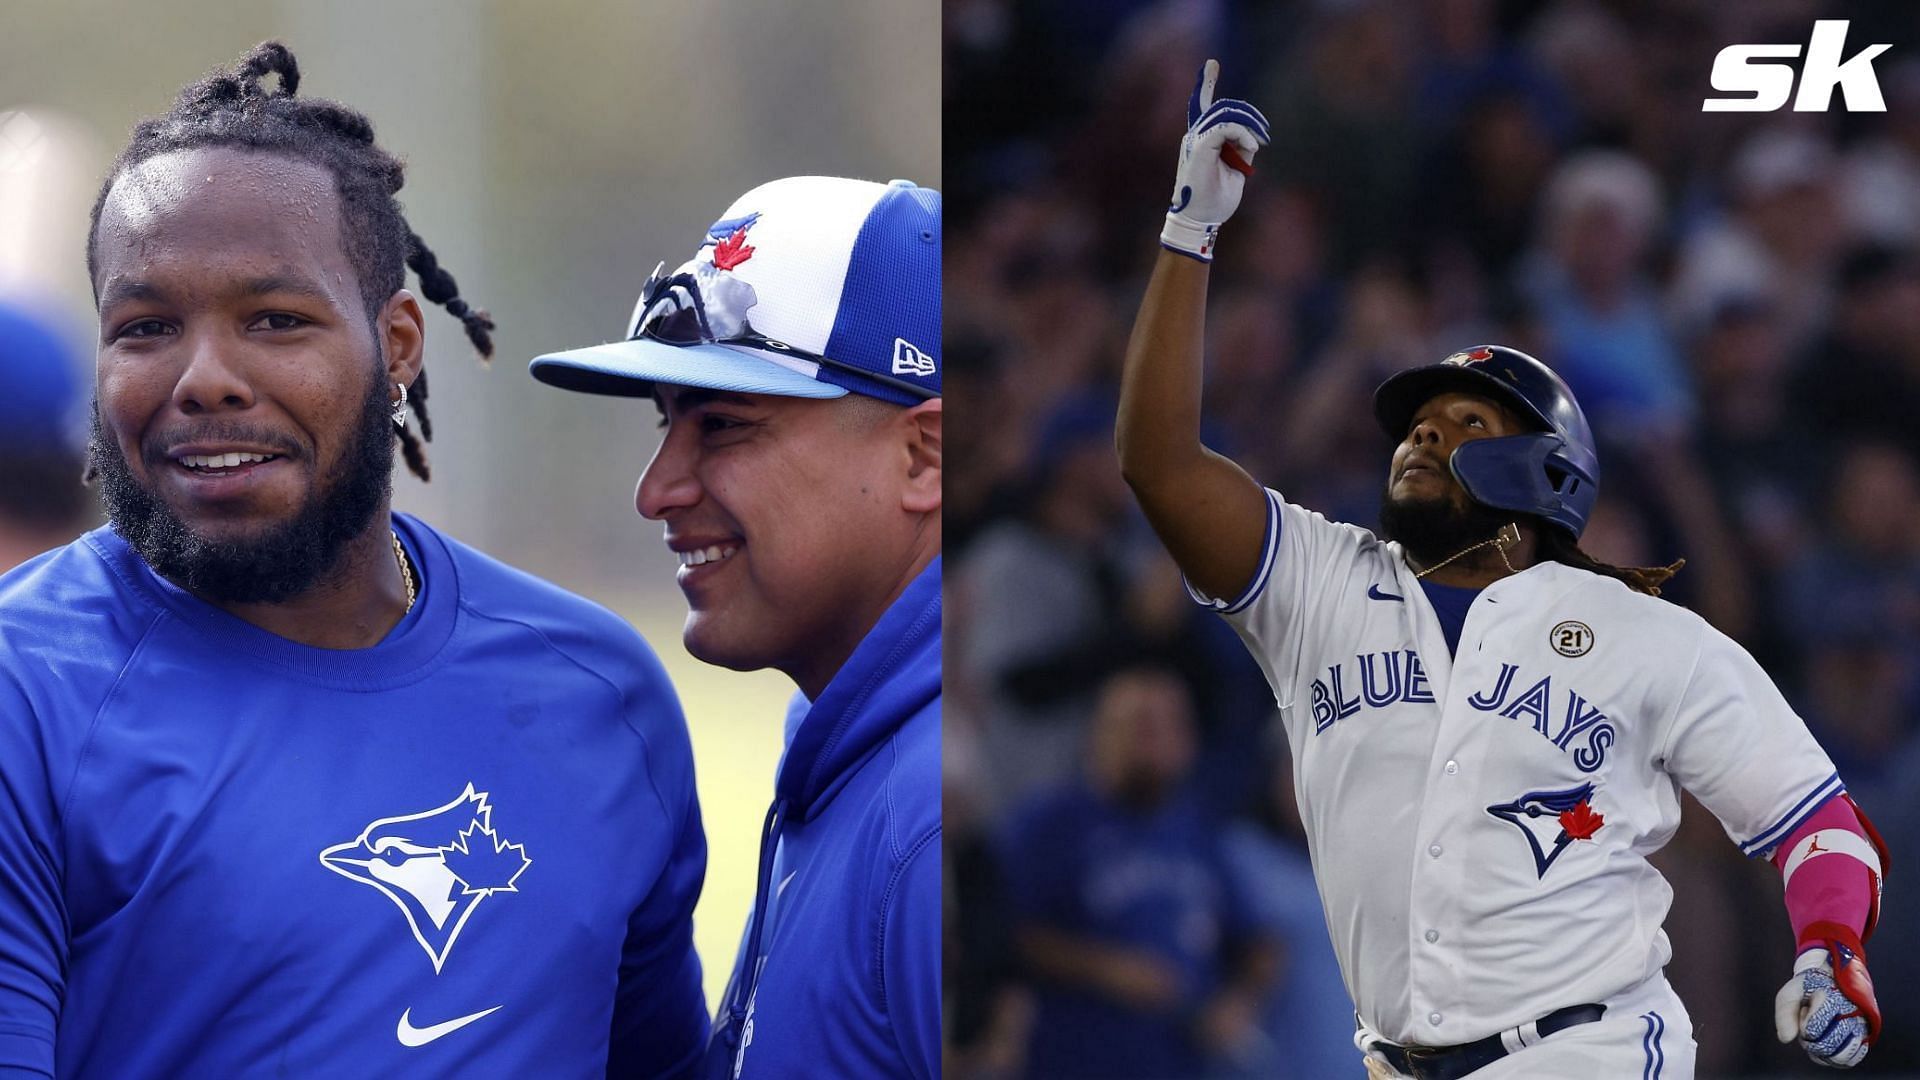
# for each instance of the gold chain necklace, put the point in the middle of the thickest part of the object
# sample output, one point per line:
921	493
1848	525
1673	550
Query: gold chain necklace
406	568
1508	536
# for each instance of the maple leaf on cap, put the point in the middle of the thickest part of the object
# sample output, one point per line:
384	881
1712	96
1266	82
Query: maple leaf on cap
1580	823
732	251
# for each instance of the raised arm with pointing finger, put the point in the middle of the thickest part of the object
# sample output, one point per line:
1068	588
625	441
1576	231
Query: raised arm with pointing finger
1207	510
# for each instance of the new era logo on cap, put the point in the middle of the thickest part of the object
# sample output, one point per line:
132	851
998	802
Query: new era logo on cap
809	286
908	360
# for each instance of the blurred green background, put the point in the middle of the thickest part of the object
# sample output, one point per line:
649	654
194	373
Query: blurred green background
556	152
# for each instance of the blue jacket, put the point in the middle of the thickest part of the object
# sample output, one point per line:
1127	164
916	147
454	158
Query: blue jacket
839	974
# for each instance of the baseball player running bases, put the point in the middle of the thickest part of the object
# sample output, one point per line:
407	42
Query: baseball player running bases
1490	728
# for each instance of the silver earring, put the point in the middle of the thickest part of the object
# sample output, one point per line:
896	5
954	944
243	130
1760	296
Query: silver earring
400	408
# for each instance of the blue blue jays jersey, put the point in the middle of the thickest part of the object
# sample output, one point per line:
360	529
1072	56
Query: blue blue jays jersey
472	849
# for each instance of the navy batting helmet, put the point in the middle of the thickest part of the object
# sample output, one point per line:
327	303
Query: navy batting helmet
1553	473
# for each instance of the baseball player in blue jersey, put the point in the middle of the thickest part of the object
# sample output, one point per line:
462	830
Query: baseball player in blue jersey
795	360
291	784
1490	728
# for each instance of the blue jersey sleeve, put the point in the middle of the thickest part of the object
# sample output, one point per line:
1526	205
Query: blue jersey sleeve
660	1011
33	915
910	969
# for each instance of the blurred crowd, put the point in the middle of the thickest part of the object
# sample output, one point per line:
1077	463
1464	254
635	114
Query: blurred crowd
43	397
1734	297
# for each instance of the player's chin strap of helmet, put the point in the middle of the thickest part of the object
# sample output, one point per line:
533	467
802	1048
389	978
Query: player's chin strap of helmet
1502	541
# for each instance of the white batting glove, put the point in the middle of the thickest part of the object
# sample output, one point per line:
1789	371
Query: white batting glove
1216	157
1832	1012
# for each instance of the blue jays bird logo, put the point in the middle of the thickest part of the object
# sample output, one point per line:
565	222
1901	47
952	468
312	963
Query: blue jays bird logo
436	866
1550	820
1470	356
726	297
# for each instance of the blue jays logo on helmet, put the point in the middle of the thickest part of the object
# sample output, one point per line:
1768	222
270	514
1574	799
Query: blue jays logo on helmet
436	866
1470	356
1551	820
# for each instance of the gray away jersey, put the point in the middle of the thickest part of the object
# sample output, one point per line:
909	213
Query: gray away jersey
1480	823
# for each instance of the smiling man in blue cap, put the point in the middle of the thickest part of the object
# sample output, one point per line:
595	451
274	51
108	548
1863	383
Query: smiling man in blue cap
795	360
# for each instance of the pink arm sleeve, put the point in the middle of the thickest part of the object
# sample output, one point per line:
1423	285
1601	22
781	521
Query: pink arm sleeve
1830	884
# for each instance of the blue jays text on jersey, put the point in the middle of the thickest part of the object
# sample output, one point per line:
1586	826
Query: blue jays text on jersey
1568	720
472	849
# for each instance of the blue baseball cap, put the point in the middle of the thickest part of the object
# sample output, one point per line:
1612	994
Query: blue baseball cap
809	286
40	391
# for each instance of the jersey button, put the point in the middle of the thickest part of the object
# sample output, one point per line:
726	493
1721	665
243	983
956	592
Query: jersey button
1434	1019
1434	850
1452	767
1432	936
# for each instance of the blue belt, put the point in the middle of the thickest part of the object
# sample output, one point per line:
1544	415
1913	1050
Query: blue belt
1453	1062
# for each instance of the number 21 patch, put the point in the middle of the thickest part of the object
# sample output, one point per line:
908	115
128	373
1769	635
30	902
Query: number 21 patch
1571	638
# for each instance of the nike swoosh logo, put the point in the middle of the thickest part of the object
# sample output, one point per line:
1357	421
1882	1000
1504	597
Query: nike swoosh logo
417	1036
1374	593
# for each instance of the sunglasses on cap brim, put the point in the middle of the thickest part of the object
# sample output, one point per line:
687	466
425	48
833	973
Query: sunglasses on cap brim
672	312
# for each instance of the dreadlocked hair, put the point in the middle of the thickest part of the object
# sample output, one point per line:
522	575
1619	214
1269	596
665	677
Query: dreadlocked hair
235	109
1557	546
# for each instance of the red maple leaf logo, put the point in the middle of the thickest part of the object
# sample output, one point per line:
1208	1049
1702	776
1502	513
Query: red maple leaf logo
1580	823
732	251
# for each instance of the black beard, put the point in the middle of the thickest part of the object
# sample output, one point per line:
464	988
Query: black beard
276	564
1435	529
